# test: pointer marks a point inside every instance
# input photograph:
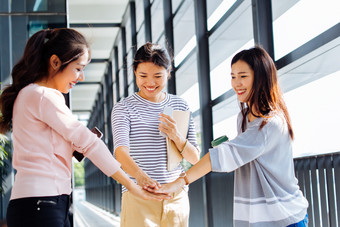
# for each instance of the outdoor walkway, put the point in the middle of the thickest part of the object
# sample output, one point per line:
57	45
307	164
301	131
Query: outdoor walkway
87	215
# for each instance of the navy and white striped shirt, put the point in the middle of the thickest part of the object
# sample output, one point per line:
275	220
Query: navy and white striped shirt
135	123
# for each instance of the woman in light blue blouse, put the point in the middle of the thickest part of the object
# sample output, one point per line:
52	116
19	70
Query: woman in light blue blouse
266	192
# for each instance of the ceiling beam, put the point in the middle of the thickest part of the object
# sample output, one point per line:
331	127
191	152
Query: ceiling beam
99	60
95	25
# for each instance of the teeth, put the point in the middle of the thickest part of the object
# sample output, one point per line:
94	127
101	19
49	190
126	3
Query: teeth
150	89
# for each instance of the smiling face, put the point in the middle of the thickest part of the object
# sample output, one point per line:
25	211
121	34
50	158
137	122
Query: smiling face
151	79
242	78
64	80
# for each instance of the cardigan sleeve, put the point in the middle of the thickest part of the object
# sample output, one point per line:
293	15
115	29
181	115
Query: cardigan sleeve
54	112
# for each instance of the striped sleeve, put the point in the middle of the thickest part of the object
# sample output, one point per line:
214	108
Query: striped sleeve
120	122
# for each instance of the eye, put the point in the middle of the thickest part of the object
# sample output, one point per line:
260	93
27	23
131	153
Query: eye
78	70
244	76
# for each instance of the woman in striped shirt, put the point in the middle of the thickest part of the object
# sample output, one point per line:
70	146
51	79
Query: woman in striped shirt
139	147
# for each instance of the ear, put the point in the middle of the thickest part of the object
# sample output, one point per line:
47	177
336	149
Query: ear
55	62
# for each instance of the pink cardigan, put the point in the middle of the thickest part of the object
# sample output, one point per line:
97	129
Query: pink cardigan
45	133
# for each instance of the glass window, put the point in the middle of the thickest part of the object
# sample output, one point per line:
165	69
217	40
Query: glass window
311	90
94	71
121	83
131	89
21	31
175	4
128	34
235	34
120	53
216	9
38	6
291	30
129	62
4	7
184	32
212	6
5	53
139	13
163	42
186	83
141	36
225	118
314	113
157	19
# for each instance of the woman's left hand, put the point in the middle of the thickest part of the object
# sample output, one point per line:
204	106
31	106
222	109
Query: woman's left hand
168	126
170	187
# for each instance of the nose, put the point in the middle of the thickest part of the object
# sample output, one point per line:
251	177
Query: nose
150	81
81	77
236	82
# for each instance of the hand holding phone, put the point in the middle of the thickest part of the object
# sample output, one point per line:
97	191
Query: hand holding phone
79	156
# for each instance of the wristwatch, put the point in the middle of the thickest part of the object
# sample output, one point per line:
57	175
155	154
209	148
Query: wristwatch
184	176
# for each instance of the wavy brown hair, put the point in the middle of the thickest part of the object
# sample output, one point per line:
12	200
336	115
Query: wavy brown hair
65	43
265	98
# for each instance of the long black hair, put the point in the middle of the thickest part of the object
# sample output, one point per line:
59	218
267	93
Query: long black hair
33	66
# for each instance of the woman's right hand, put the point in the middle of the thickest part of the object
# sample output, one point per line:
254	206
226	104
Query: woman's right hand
147	182
135	189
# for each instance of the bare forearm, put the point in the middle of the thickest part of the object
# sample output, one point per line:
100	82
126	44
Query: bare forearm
191	154
189	151
200	169
128	164
123	179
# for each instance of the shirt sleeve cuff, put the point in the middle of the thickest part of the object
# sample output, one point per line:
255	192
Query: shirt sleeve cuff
221	158
103	159
214	159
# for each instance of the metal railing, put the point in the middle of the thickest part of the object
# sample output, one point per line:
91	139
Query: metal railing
319	180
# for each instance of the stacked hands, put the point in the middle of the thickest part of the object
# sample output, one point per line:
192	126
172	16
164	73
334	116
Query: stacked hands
155	191
151	188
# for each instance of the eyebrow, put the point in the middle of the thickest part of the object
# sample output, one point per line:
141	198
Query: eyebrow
154	74
81	64
239	73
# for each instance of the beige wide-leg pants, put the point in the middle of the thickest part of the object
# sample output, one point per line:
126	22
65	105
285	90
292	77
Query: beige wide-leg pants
137	212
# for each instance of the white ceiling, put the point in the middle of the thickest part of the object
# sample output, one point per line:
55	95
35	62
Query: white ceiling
101	40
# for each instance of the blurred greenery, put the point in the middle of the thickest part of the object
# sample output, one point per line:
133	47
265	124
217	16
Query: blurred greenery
79	174
4	155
